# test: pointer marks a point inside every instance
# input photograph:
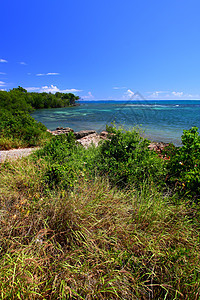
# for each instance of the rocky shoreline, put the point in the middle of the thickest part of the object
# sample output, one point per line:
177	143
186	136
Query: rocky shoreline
84	137
87	137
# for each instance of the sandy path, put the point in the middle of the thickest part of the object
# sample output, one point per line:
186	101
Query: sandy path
15	153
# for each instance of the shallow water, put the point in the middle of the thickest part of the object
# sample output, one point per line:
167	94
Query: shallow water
160	120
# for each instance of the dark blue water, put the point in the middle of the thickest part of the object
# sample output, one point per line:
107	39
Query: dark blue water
160	120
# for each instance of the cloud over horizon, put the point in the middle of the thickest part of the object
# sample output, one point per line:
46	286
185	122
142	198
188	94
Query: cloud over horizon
89	96
51	89
159	95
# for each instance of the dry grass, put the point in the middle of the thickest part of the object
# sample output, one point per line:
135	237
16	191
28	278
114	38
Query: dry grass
92	242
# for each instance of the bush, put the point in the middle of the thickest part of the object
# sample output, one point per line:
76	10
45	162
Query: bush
126	159
19	128
184	164
65	160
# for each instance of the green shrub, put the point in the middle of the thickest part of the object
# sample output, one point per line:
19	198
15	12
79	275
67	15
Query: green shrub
184	164
20	128
63	157
126	159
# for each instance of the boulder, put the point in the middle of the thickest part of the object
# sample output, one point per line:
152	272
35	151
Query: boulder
86	141
61	130
83	133
104	135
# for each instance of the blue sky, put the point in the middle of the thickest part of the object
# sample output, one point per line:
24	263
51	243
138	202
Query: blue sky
102	49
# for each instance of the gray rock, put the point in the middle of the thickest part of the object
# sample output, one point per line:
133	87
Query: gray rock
61	130
83	133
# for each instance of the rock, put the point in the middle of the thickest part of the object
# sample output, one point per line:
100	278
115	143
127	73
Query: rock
61	130
86	141
104	135
83	133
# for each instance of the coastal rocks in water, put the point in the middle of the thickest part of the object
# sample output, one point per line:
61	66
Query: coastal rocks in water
83	133
61	130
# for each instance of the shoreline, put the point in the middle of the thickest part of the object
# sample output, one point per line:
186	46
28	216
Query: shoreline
85	137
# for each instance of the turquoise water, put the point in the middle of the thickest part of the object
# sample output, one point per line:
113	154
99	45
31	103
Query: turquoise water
161	120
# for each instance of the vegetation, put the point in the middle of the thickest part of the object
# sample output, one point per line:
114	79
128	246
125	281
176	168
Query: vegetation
20	99
184	164
112	222
17	127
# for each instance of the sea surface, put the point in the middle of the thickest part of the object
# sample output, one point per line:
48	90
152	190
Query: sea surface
159	120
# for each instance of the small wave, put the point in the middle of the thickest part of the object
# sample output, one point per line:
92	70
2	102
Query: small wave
145	105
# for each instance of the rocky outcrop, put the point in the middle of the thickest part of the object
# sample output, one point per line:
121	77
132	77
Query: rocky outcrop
90	139
61	130
81	134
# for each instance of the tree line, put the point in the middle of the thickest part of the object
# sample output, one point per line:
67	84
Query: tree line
20	99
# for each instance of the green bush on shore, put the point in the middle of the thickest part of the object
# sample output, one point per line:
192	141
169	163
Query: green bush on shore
126	159
19	129
183	166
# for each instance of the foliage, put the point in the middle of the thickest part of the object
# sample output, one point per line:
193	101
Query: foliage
20	99
126	159
184	164
20	129
66	161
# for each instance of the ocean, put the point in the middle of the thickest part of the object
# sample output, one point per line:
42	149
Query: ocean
158	120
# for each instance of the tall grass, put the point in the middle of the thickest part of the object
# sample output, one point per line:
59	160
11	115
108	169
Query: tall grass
93	241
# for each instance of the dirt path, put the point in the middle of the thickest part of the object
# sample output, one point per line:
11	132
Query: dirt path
15	153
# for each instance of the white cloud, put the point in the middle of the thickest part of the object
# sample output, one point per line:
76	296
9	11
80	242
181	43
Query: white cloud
89	96
32	89
47	74
2	73
130	93
157	93
23	63
3	60
119	87
2	83
51	89
166	95
53	74
177	94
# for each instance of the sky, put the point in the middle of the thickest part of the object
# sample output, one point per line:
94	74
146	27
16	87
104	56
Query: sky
102	49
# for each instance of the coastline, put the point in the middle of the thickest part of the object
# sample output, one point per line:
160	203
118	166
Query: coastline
161	121
84	137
